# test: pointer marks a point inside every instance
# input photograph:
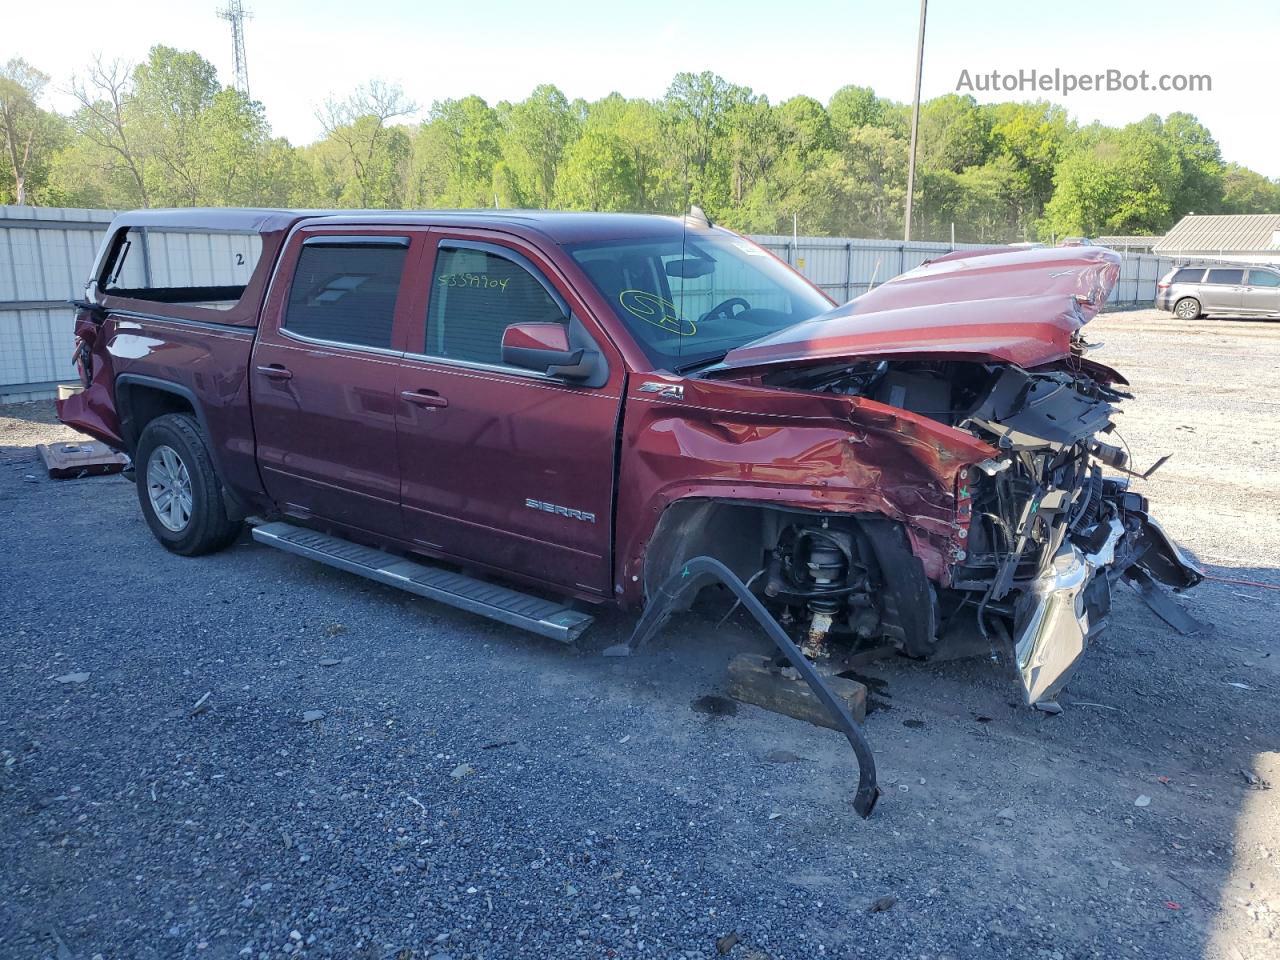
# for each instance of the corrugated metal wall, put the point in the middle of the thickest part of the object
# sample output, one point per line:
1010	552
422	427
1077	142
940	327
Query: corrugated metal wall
845	268
46	254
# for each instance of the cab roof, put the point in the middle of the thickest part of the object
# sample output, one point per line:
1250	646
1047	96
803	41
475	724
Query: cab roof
560	226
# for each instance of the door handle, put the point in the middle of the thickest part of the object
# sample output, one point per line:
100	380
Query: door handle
424	398
276	372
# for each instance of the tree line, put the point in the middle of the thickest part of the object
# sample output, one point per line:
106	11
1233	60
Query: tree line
166	133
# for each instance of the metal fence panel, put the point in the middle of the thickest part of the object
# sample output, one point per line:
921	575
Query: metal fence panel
46	254
846	268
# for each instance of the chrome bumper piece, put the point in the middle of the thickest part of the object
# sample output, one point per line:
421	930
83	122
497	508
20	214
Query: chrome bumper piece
1054	630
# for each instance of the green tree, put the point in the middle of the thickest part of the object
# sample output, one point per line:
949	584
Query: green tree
995	200
597	174
1033	136
639	127
954	133
697	108
1201	186
167	133
748	146
852	106
29	133
172	91
454	153
1116	182
241	163
1245	191
536	132
363	159
106	165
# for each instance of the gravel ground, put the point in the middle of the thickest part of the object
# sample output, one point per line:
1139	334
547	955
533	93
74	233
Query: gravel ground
475	792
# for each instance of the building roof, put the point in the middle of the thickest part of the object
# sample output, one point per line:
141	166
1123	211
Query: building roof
1228	233
1134	241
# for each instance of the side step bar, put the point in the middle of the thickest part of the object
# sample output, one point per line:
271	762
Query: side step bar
544	617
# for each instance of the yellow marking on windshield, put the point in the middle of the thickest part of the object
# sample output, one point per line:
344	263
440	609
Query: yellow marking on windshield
652	309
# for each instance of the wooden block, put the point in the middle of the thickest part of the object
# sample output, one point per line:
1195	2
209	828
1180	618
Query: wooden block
754	679
80	459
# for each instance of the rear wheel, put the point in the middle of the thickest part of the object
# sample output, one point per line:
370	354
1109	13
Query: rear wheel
179	490
1188	308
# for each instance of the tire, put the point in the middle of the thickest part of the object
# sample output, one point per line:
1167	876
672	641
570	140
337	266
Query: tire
178	488
1188	308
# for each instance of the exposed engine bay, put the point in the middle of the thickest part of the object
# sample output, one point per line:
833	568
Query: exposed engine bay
1046	527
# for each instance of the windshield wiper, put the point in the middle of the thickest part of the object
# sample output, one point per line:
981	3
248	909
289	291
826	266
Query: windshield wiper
704	362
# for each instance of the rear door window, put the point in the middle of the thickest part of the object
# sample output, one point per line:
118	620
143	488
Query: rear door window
344	290
1225	276
1189	275
1264	278
477	291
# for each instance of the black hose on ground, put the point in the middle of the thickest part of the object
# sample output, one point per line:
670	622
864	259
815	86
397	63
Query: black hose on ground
700	571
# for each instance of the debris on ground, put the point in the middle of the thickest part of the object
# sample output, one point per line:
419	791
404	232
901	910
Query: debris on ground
728	942
881	904
86	458
72	678
462	770
311	716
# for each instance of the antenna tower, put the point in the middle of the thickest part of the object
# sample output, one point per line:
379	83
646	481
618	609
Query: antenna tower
236	15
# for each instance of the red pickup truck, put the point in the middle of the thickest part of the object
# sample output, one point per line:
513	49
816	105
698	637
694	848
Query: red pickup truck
578	405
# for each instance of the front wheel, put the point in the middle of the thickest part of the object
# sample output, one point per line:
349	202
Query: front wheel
1188	308
179	490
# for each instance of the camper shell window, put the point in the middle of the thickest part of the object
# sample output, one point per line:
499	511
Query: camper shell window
195	268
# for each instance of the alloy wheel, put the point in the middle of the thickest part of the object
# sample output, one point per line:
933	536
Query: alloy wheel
169	487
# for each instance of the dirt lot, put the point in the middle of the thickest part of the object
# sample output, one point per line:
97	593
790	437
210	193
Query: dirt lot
475	792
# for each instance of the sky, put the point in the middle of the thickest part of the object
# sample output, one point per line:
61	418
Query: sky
302	51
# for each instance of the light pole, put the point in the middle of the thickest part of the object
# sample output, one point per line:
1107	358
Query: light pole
915	122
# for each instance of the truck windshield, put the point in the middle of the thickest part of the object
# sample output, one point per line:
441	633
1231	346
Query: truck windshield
690	301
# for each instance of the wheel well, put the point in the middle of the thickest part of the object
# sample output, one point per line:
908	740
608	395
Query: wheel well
736	534
740	534
139	404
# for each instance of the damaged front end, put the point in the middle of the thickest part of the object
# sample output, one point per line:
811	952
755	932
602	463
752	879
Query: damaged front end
1049	532
987	343
1043	532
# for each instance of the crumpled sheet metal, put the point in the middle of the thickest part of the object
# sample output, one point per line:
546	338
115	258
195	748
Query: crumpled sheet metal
804	450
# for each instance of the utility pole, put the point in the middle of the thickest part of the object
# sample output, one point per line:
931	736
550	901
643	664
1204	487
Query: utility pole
236	15
915	122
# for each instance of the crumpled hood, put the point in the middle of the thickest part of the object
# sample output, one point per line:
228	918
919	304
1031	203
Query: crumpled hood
1019	305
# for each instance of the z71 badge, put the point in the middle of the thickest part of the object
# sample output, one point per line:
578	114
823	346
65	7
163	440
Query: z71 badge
560	511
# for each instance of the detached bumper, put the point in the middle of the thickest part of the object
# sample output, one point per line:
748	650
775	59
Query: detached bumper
1067	605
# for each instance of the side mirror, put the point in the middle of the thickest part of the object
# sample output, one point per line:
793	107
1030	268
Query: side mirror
543	347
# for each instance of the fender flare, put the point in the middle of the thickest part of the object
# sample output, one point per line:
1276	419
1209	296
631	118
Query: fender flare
130	435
